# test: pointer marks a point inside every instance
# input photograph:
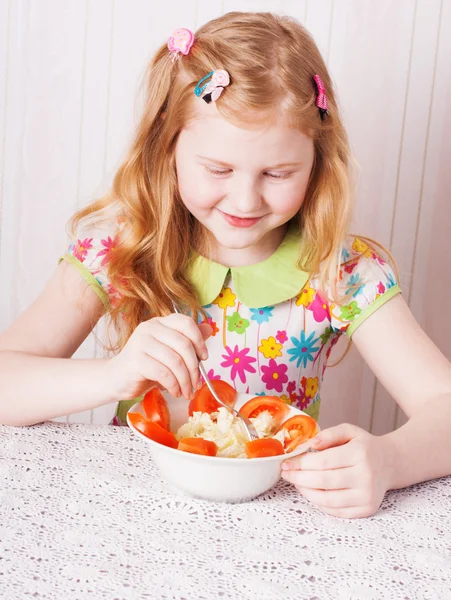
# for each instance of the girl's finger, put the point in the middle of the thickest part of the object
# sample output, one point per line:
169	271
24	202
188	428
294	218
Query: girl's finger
331	499
157	372
173	361
183	347
323	460
187	327
335	436
337	479
354	512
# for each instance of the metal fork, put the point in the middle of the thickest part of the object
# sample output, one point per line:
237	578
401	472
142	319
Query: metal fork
250	429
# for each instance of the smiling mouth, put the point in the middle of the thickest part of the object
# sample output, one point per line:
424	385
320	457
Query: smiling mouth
240	221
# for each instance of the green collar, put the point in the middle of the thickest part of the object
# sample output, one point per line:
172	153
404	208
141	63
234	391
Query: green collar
266	283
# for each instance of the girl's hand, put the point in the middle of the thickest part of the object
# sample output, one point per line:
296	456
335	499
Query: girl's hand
348	476
163	351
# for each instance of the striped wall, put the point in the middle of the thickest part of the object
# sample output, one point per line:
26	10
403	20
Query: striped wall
70	96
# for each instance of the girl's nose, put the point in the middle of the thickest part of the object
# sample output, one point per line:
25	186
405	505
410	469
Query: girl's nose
247	199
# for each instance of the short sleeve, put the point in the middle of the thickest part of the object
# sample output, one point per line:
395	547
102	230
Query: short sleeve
90	252
366	283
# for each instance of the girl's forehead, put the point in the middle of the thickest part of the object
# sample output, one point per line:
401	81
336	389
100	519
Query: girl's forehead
213	131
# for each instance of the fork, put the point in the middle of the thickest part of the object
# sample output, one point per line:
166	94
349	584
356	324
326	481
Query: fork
250	429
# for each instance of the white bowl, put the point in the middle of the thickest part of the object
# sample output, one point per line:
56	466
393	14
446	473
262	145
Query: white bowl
211	477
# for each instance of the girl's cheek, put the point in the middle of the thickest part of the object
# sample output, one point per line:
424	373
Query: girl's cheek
288	203
200	201
201	194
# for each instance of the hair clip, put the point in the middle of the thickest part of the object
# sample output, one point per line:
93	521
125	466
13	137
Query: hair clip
321	98
180	41
211	91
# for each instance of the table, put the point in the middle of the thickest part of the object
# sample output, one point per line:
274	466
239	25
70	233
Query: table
85	514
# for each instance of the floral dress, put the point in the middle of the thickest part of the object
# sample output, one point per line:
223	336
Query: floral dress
273	330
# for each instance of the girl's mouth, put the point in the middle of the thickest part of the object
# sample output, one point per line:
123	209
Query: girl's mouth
238	221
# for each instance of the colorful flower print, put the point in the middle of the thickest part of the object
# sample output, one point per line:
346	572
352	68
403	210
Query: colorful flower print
325	337
226	298
344	255
355	285
211	375
270	348
362	248
304	348
262	315
319	308
274	375
311	387
282	337
212	324
349	311
239	362
380	288
285	399
390	281
306	296
80	248
291	387
237	323
109	245
349	267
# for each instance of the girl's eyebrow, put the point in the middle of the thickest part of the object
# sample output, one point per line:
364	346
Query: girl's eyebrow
229	166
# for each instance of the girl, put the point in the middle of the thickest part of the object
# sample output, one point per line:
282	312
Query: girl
234	203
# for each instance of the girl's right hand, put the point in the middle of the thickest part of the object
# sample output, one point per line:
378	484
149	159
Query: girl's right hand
163	351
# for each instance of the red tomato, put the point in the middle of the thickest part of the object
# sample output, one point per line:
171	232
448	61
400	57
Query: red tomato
198	446
264	447
300	429
203	401
152	430
156	408
276	407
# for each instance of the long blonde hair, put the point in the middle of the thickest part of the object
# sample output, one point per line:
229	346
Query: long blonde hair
271	60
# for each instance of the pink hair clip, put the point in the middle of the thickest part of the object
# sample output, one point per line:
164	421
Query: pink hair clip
321	98
180	42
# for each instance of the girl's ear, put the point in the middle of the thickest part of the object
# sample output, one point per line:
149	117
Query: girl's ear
163	115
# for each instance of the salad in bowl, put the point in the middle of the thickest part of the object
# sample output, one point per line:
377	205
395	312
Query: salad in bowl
202	449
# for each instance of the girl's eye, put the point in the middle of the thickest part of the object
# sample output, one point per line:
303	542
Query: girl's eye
278	175
217	171
226	171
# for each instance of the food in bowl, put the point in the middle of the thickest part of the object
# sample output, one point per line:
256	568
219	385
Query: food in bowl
190	464
212	430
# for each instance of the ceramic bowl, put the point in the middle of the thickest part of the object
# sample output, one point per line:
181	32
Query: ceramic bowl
211	477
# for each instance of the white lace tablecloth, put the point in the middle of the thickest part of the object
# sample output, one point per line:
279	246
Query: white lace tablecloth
84	514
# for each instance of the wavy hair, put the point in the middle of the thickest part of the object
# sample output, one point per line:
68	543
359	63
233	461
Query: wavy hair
261	51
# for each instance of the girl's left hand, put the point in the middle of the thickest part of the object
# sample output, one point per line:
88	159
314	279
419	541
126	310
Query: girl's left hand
348	476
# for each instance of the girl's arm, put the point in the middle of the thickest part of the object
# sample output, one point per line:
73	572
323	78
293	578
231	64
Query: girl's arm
37	379
352	470
418	376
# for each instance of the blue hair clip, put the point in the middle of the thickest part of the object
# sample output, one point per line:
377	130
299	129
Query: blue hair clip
211	91
199	89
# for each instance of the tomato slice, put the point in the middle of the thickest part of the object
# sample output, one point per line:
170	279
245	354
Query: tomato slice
152	430
198	446
203	401
264	447
156	408
300	429
277	408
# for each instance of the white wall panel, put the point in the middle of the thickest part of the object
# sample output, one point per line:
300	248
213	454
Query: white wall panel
70	95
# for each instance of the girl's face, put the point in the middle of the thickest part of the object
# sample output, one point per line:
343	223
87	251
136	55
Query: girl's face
243	185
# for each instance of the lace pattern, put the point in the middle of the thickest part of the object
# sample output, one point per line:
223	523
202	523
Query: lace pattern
85	514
